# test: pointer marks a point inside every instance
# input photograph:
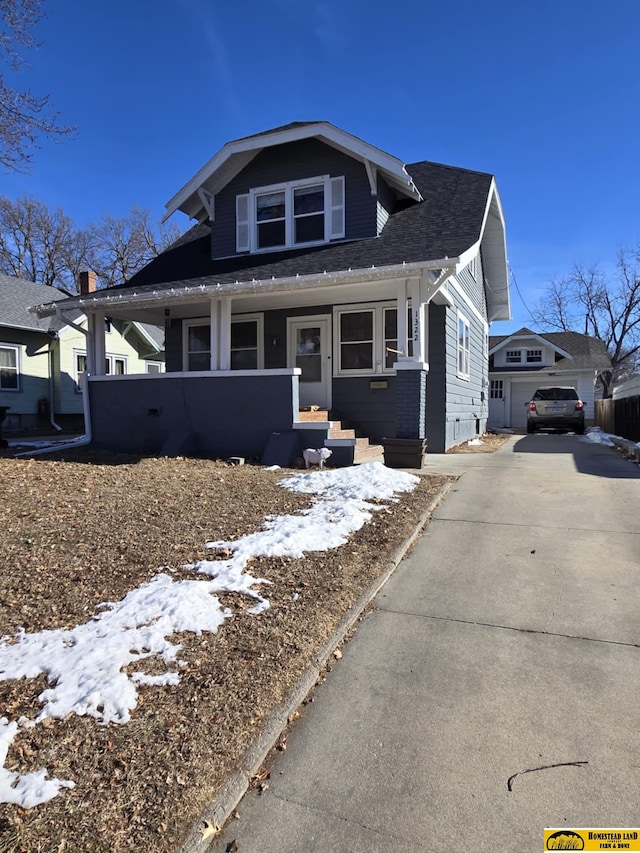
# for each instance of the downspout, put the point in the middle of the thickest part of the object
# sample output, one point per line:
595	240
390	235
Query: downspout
52	386
81	441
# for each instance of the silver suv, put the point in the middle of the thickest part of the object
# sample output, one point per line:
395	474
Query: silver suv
557	406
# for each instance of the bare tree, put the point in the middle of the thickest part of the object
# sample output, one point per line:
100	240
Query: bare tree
43	245
123	245
604	305
24	117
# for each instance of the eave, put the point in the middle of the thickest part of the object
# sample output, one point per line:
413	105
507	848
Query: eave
197	195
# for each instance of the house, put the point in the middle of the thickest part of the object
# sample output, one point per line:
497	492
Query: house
322	273
523	361
42	360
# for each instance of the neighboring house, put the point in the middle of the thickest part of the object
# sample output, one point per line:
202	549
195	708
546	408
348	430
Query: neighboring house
525	360
42	360
322	272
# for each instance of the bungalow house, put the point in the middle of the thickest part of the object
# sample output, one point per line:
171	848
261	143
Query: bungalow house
323	274
525	360
42	360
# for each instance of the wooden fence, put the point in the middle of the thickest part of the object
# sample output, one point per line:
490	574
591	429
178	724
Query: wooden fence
619	417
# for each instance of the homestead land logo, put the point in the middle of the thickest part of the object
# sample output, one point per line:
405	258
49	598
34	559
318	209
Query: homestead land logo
592	839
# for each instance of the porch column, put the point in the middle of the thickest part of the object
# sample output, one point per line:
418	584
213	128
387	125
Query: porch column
214	334
224	340
96	348
402	312
411	373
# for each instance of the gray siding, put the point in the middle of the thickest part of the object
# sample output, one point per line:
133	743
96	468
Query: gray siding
436	380
292	162
219	416
466	400
386	201
474	289
371	412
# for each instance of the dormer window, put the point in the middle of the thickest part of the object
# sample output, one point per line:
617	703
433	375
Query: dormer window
513	356
534	356
299	213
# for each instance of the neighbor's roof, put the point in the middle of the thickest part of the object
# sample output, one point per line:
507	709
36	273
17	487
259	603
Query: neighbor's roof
444	225
16	297
586	351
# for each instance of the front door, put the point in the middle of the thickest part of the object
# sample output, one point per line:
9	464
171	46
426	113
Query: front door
310	349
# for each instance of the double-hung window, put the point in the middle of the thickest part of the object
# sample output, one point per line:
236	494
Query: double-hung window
247	352
357	340
534	356
513	356
9	368
298	213
367	338
464	347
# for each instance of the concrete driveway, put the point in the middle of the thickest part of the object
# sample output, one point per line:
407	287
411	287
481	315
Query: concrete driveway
506	642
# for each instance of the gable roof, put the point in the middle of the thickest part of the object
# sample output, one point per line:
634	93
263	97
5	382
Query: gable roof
580	351
17	295
458	208
444	225
193	197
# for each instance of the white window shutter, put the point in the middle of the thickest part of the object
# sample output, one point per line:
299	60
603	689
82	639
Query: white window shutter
243	243
336	229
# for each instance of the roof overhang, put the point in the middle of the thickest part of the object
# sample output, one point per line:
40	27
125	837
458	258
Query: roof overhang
196	198
198	289
516	338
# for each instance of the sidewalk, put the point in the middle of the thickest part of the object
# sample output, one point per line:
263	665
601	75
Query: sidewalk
505	643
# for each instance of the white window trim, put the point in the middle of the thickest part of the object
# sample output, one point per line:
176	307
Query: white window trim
150	361
186	325
259	319
538	351
112	358
236	318
465	350
512	352
496	389
18	351
378	344
332	212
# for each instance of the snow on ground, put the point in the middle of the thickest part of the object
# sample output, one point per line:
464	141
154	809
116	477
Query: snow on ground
85	665
596	436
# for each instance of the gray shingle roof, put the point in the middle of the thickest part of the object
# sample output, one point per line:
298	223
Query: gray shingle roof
586	351
16	297
446	223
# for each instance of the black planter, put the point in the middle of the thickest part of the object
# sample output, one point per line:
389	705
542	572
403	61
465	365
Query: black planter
404	452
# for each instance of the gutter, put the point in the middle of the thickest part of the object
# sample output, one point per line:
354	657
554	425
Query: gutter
150	294
52	388
81	441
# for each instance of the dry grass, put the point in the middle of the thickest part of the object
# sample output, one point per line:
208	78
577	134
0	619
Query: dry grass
85	528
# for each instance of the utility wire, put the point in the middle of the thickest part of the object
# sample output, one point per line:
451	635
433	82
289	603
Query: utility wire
526	307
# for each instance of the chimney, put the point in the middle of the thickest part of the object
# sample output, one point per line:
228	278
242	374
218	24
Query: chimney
87	282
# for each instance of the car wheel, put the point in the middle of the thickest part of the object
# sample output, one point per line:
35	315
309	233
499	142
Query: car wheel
580	429
530	427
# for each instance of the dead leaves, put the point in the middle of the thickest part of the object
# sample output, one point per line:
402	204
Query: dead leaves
209	830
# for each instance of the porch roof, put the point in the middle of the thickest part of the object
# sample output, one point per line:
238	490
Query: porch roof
430	234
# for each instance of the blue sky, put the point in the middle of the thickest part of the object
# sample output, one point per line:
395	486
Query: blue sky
544	95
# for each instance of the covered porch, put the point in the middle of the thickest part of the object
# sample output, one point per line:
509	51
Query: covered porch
243	358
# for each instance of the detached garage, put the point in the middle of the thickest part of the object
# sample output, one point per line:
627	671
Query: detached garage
522	391
524	361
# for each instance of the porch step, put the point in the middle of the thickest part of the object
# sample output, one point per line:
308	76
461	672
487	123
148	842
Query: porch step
363	451
366	452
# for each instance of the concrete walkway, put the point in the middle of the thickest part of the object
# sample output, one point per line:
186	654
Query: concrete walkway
507	641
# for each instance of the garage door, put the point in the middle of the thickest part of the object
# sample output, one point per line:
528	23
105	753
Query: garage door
522	392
